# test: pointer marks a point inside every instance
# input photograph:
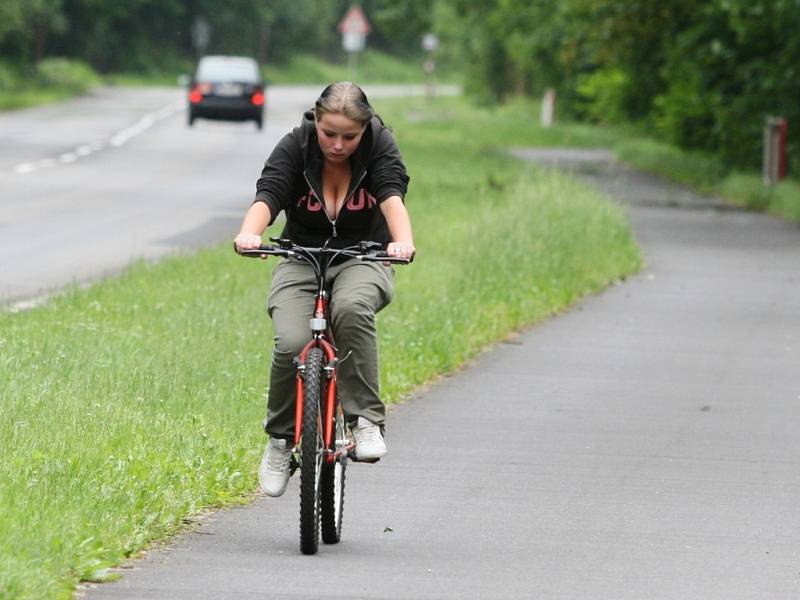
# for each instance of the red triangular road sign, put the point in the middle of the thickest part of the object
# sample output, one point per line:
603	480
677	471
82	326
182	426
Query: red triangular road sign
355	21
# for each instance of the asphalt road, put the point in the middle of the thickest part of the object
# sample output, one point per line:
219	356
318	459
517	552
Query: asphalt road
642	445
89	185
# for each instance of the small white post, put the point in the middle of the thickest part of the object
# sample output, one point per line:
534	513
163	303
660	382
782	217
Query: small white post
548	107
430	42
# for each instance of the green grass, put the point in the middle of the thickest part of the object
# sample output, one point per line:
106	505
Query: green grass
371	67
699	170
133	404
702	171
51	80
744	190
32	96
515	123
707	174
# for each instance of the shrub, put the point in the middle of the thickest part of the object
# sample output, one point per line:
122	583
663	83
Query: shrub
8	79
786	200
602	95
684	114
71	75
745	190
699	169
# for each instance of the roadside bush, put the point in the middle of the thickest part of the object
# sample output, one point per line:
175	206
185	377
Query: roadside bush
786	200
699	169
72	75
684	114
602	96
746	190
8	79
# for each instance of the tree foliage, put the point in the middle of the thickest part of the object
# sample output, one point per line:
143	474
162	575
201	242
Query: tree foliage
703	73
155	35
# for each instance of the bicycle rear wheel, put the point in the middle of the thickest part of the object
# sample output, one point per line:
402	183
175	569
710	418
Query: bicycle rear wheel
311	452
332	484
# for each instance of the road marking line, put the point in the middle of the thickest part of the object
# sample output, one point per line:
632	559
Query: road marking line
118	139
24	168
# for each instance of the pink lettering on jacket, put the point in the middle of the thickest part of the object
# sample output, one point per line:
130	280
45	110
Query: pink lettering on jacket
311	201
361	199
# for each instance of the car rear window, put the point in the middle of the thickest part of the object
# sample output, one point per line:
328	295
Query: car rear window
227	70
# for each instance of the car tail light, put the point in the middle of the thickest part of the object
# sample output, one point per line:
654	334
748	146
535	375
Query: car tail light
198	91
195	95
258	99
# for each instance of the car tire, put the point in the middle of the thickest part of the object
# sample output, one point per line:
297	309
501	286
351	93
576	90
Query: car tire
192	117
260	124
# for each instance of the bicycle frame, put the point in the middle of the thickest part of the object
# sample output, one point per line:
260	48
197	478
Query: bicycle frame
329	408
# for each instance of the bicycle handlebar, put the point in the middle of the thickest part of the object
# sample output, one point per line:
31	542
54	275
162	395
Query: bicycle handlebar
366	251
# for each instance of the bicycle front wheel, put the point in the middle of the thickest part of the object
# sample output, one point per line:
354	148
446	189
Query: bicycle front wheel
332	484
311	452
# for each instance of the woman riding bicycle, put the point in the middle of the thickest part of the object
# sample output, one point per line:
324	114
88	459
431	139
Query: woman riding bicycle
340	179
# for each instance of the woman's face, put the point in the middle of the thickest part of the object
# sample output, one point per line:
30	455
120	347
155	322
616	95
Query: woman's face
338	136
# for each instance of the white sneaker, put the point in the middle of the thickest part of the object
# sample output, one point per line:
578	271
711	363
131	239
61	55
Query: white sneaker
369	440
273	474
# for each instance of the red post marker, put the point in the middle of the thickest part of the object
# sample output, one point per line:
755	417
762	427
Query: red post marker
775	160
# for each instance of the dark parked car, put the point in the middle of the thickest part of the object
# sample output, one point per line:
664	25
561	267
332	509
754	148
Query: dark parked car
228	88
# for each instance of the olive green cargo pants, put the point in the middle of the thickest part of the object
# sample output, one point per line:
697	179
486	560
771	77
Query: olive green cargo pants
358	291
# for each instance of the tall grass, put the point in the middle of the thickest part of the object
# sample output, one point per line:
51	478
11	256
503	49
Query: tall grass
699	170
708	174
132	405
52	79
370	67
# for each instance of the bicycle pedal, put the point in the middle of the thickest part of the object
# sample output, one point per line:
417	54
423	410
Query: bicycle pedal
293	465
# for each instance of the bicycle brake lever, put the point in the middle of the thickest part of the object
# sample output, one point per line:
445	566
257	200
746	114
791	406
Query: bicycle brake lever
368	246
285	244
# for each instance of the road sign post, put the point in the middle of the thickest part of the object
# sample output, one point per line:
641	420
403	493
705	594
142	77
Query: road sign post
201	35
354	28
430	42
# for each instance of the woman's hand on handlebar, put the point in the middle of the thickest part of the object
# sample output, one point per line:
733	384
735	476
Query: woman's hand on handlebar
247	241
404	250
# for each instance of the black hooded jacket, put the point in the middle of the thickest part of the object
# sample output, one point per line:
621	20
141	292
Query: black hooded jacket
292	181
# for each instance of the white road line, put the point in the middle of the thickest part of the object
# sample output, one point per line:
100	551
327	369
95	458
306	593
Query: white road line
24	168
118	139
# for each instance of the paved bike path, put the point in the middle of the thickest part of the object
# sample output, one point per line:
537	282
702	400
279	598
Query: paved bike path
643	445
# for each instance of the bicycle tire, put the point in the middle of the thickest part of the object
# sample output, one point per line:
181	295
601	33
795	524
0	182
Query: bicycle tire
332	485
311	452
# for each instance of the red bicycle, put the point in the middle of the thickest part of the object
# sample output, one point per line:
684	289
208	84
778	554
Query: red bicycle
321	443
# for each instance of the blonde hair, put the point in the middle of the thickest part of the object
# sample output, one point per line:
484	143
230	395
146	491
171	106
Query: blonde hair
344	98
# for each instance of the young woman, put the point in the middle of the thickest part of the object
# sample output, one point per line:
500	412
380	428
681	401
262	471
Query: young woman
339	178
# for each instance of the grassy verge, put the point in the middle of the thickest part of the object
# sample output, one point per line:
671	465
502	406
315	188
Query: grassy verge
133	404
702	171
707	174
51	80
372	67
